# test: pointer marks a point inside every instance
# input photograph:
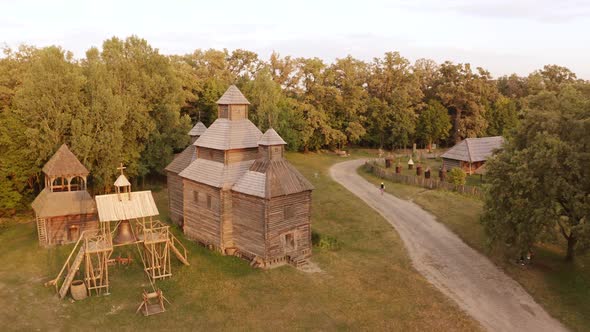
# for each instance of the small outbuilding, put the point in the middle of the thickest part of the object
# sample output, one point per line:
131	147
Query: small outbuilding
471	153
64	209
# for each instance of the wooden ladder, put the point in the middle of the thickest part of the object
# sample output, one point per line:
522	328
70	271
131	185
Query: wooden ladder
71	273
41	231
181	255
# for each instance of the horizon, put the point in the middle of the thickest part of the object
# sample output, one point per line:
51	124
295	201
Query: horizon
502	37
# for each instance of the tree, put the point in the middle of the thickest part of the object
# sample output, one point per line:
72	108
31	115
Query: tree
457	177
467	95
434	123
539	183
502	116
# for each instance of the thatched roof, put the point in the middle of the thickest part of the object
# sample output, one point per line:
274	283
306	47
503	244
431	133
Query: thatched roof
474	149
227	134
233	96
64	203
198	129
64	162
271	137
272	178
141	204
214	173
182	160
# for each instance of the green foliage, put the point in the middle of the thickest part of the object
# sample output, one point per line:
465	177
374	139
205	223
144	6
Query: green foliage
326	242
539	183
457	176
434	123
502	116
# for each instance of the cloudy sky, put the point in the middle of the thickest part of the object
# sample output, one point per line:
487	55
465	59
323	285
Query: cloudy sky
502	36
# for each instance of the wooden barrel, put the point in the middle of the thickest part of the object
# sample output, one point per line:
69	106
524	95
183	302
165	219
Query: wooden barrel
398	169
419	170
427	174
78	290
388	162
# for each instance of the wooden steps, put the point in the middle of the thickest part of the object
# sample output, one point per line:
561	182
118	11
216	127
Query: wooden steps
299	262
41	231
71	274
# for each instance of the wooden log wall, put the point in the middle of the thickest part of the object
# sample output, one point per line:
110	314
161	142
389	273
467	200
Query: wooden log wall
226	220
289	214
432	183
175	197
202	213
211	154
248	224
238	155
59	229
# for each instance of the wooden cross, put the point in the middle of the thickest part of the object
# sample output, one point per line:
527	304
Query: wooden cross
121	168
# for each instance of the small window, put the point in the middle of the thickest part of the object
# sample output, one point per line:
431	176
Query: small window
196	196
289	212
223	110
209	201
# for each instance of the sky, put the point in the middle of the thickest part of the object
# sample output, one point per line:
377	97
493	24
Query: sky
502	36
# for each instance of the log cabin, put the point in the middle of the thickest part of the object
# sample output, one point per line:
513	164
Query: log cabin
471	153
241	195
64	208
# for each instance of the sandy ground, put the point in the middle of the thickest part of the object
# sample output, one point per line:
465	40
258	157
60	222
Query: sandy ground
481	289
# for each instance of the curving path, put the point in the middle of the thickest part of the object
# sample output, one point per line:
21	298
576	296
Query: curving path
481	289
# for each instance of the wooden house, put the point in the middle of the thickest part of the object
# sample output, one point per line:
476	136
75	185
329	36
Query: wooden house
471	153
180	162
231	150
64	209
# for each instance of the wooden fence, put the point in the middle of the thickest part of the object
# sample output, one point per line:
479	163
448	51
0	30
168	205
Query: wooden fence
432	183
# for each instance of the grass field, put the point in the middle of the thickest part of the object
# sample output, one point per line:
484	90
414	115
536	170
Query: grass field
562	288
368	284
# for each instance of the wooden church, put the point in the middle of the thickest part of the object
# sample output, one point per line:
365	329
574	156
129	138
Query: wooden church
64	209
239	194
180	162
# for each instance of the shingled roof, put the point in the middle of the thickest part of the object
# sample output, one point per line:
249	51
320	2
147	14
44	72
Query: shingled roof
64	203
198	129
474	149
227	134
271	137
214	173
64	162
233	96
272	178
182	160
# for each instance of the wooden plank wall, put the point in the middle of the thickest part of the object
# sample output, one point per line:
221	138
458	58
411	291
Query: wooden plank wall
238	155
211	154
175	199
200	222
297	220
58	228
248	224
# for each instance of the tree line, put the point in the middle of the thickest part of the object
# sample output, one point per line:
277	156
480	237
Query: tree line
128	103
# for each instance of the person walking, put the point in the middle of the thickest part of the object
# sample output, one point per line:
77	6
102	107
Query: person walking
382	189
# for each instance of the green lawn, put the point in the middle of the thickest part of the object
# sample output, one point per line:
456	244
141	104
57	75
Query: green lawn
562	288
368	284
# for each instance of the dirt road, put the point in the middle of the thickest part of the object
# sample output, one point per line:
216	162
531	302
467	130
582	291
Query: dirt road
487	294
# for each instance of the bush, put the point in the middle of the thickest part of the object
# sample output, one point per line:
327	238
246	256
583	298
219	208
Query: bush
457	177
324	241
